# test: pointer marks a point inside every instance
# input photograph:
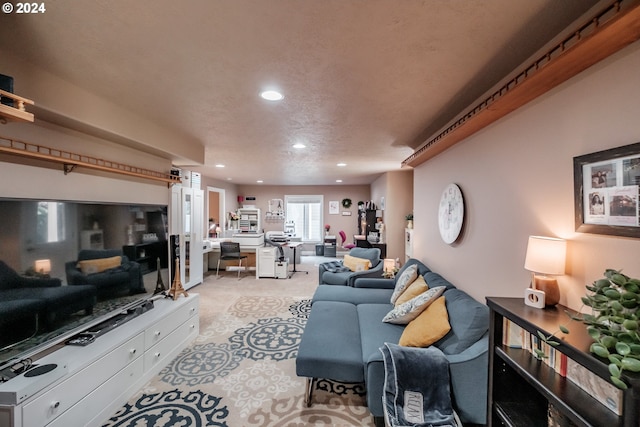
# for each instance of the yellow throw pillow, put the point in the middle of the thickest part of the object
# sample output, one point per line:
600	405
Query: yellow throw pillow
91	266
430	326
416	288
356	264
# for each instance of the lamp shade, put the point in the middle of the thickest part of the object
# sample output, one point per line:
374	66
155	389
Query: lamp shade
43	266
546	255
389	264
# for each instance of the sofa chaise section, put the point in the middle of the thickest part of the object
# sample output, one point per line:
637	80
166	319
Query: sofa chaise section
465	346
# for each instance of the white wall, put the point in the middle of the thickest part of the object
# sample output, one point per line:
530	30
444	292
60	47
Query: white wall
517	180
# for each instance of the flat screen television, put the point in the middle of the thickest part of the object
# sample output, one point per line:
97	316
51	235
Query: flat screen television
39	237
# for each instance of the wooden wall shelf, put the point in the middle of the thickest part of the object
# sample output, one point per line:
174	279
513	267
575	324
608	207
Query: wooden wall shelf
610	30
17	112
72	160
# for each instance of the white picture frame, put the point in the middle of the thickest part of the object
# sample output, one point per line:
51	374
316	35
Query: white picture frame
334	207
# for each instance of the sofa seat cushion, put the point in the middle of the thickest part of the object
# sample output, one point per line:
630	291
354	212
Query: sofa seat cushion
325	353
65	296
17	310
351	295
469	321
374	332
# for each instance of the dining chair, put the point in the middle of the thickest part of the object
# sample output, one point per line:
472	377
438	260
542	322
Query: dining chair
230	251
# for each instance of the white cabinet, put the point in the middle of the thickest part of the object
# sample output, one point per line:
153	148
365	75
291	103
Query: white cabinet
249	220
267	261
103	375
408	243
187	221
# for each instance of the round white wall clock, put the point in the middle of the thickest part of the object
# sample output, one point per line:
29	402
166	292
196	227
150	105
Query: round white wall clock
451	213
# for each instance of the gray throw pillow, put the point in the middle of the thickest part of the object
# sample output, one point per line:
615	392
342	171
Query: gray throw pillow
406	312
406	278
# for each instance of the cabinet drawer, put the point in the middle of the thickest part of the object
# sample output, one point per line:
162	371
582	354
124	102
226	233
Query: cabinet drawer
165	326
56	401
159	352
107	393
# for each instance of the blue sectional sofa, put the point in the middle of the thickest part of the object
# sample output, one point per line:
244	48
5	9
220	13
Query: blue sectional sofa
345	331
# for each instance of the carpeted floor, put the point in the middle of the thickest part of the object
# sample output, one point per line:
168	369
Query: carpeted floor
240	370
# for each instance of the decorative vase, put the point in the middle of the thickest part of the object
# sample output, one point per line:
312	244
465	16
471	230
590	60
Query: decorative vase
409	224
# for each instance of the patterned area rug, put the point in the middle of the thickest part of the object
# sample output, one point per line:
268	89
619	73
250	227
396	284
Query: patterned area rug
240	371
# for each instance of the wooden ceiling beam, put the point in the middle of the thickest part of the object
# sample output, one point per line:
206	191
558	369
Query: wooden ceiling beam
592	42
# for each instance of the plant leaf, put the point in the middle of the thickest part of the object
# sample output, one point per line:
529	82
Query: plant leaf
618	383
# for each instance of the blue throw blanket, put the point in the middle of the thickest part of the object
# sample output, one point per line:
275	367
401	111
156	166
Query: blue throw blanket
416	387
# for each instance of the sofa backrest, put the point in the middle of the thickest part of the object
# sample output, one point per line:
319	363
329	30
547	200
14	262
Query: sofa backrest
433	280
9	279
469	321
87	254
372	254
422	269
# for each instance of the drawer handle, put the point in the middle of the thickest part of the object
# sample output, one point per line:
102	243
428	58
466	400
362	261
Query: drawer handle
132	351
193	326
157	333
157	354
55	404
193	309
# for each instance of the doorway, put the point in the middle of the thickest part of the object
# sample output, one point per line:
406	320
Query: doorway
215	209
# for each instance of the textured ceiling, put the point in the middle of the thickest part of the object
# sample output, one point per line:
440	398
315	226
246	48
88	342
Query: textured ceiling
365	81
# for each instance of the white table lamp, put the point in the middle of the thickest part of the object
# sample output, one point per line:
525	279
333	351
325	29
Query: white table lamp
546	256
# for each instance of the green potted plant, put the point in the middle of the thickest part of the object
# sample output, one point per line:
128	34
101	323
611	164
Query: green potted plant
409	218
614	323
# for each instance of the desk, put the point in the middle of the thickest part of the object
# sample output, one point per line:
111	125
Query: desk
215	248
294	245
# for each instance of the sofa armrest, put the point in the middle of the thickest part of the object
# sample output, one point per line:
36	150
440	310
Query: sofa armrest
469	380
74	276
371	273
374	282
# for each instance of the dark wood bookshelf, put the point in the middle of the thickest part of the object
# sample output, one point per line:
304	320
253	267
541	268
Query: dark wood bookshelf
522	387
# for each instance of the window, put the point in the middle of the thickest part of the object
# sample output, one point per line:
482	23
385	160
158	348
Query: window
306	214
50	225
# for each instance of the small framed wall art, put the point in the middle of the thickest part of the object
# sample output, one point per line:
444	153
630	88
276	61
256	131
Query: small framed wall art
334	207
606	191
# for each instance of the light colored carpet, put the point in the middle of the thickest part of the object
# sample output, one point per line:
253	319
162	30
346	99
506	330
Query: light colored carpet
240	370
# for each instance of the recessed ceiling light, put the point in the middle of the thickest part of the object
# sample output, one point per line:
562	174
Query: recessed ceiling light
219	165
272	95
338	180
259	181
341	165
229	179
299	145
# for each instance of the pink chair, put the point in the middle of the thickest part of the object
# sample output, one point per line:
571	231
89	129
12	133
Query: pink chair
343	236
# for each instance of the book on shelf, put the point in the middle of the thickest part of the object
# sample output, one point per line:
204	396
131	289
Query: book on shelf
601	390
606	393
513	335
